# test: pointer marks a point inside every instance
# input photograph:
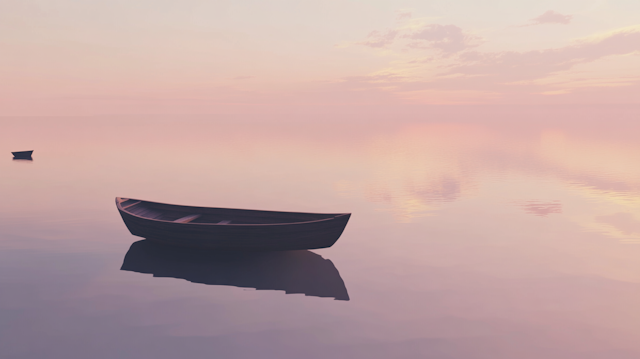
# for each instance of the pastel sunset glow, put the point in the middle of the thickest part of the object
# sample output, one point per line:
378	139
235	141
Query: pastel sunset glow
319	179
73	57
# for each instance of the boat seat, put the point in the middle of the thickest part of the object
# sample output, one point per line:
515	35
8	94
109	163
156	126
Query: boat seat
130	204
187	219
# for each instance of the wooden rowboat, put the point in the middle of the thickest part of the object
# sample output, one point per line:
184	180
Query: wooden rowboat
294	272
22	154
231	229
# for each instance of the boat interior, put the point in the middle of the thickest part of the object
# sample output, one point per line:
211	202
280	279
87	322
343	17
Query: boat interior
222	216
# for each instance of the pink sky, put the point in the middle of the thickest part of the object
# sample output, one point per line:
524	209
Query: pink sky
73	57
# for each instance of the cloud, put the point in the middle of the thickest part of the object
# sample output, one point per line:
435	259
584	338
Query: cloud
378	39
528	65
551	17
472	76
447	38
403	16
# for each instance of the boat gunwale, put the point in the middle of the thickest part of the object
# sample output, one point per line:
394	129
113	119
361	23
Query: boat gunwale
120	208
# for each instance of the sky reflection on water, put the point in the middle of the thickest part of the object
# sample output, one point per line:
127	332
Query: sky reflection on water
484	238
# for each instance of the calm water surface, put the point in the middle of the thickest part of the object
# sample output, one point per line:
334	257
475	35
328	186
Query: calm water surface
508	236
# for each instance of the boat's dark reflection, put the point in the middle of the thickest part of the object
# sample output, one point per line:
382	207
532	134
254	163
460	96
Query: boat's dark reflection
291	271
28	159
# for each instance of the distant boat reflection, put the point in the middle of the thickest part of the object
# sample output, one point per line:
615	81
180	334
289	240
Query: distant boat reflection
291	271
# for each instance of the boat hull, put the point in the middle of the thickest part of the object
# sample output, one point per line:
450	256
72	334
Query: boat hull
22	154
241	237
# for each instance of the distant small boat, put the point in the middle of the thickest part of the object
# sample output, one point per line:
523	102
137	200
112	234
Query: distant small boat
22	154
230	229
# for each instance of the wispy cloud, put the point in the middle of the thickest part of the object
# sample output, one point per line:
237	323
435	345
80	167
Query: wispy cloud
518	66
403	16
378	39
458	70
447	38
416	34
550	17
